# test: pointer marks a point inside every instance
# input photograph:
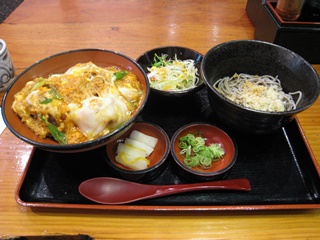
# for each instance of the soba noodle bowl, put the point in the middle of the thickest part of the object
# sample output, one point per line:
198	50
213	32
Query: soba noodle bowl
262	93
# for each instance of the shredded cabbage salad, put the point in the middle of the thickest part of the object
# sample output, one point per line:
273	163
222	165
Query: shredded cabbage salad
196	153
172	74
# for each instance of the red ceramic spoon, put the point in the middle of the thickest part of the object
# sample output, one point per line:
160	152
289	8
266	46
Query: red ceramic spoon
116	191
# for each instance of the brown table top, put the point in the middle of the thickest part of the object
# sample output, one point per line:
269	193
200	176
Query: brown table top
37	29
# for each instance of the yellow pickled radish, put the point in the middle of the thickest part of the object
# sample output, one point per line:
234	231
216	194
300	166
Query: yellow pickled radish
133	152
130	150
138	163
140	145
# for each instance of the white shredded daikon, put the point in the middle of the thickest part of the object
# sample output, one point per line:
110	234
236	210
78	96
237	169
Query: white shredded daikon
173	74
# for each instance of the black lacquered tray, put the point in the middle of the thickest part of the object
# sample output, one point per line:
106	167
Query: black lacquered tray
281	168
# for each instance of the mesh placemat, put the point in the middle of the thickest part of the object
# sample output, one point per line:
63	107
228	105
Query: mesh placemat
7	7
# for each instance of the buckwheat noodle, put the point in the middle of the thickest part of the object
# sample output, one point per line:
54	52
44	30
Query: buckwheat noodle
257	92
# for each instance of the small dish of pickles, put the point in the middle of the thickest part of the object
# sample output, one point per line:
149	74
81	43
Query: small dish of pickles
140	153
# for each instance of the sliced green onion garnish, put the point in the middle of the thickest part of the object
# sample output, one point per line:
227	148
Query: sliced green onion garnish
56	134
46	101
196	153
121	74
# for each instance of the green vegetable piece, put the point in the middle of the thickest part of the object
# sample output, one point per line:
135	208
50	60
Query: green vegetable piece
46	101
54	92
56	134
196	153
160	61
39	84
217	150
121	74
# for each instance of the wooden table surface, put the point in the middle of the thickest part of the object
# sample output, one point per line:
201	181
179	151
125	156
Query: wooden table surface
37	29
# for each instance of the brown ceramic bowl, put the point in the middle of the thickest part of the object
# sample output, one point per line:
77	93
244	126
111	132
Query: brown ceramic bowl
59	63
182	53
211	134
157	158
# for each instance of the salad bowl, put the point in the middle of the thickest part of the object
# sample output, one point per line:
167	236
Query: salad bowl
164	56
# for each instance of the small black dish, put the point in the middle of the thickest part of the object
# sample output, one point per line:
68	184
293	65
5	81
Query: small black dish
182	53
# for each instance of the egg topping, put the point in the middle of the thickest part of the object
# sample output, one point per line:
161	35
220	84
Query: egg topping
84	103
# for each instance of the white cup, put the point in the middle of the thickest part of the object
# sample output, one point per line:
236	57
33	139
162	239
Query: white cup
6	67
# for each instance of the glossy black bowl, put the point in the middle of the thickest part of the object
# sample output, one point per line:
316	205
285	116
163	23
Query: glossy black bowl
182	53
59	63
257	58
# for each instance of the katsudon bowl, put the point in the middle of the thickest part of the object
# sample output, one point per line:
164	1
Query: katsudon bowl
60	63
257	58
161	87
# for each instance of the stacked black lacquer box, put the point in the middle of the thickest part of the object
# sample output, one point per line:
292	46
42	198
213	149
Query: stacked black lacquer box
301	36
